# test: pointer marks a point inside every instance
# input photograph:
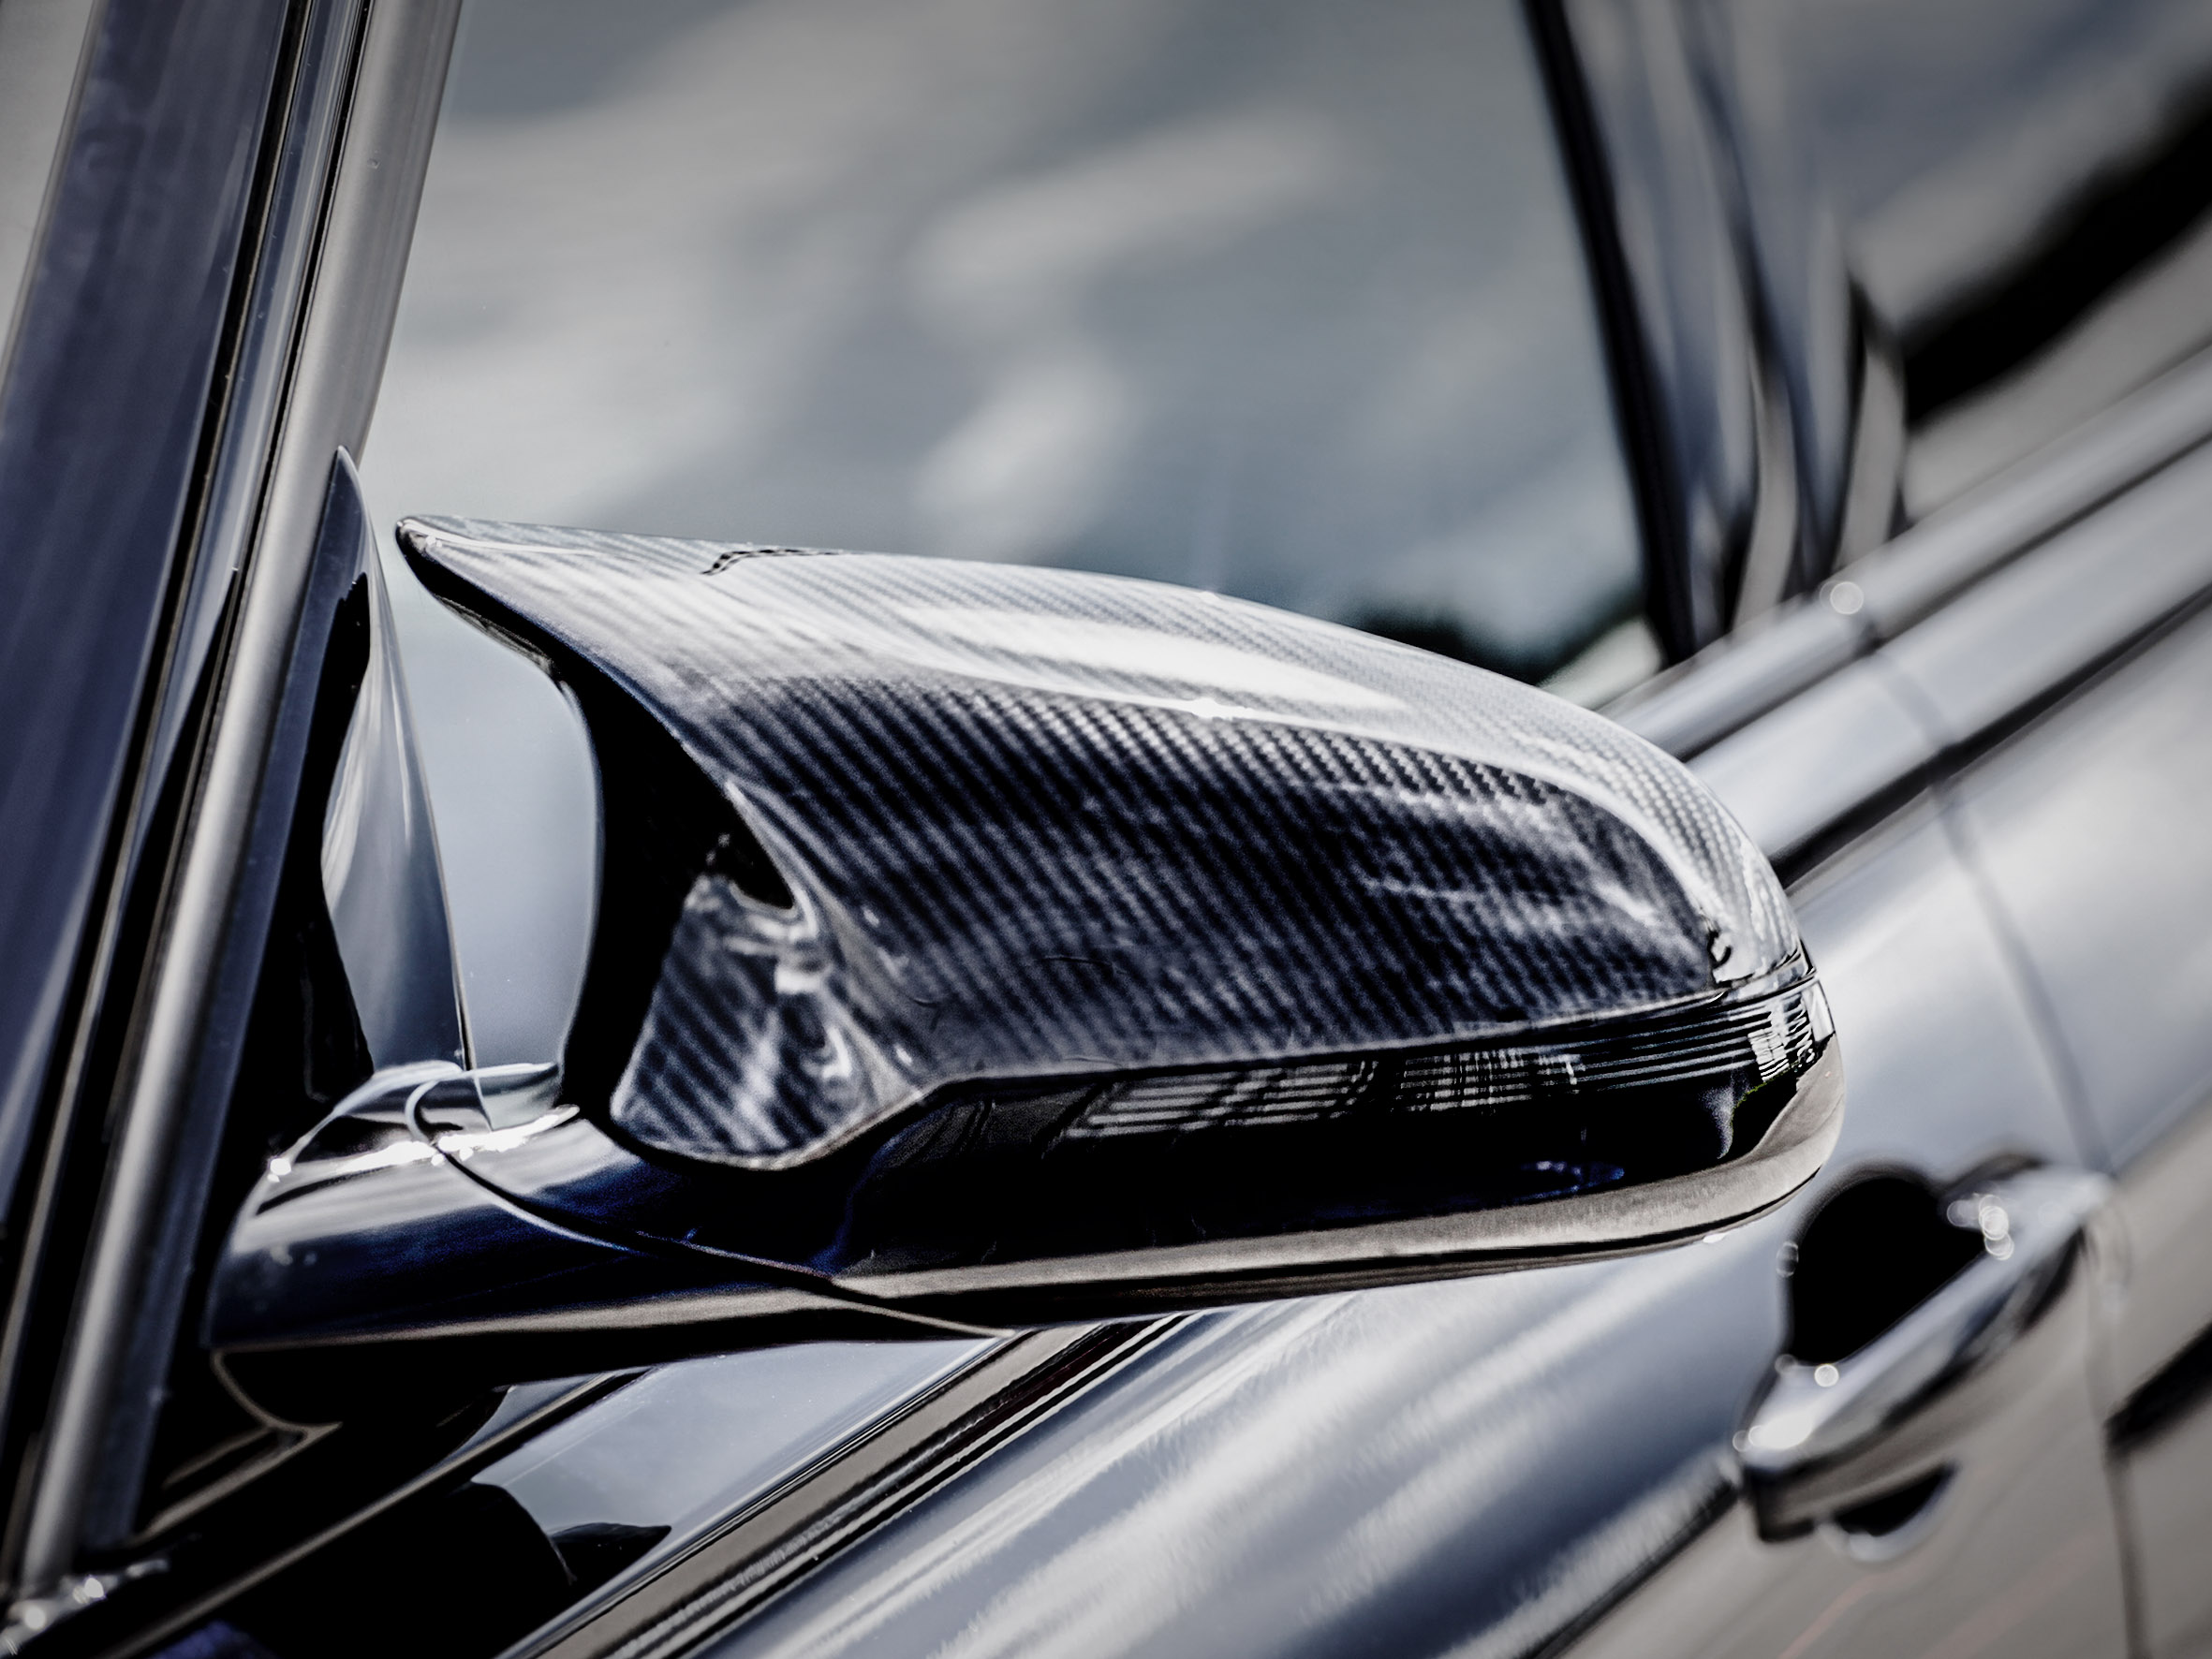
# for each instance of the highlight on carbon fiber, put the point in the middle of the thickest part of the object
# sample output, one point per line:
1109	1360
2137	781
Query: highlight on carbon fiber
1031	822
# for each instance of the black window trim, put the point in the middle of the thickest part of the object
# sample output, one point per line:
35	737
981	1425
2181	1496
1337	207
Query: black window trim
1639	411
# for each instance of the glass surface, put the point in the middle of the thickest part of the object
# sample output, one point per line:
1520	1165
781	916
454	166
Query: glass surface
1283	301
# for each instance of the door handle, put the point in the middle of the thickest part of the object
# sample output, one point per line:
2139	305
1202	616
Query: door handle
1812	1418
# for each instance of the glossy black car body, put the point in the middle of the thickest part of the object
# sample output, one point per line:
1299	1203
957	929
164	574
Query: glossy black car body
1921	492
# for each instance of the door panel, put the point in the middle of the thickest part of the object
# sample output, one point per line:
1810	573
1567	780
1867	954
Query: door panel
2019	1550
2093	828
1481	1467
1940	1048
2096	830
2168	1489
2164	1296
2017	1554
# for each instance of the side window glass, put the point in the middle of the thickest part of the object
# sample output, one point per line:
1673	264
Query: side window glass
1285	302
2024	193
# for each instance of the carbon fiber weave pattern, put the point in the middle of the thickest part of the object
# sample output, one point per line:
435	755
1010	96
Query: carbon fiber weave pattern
1037	823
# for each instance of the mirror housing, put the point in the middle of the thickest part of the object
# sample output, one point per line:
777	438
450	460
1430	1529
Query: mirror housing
983	946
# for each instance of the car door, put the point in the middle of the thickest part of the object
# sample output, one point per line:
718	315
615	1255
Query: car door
2087	827
2048	880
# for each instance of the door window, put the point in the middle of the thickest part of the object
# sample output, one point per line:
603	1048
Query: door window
1285	302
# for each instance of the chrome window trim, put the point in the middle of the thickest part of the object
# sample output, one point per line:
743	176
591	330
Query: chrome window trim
1880	596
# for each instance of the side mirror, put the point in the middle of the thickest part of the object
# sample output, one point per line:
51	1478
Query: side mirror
984	945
